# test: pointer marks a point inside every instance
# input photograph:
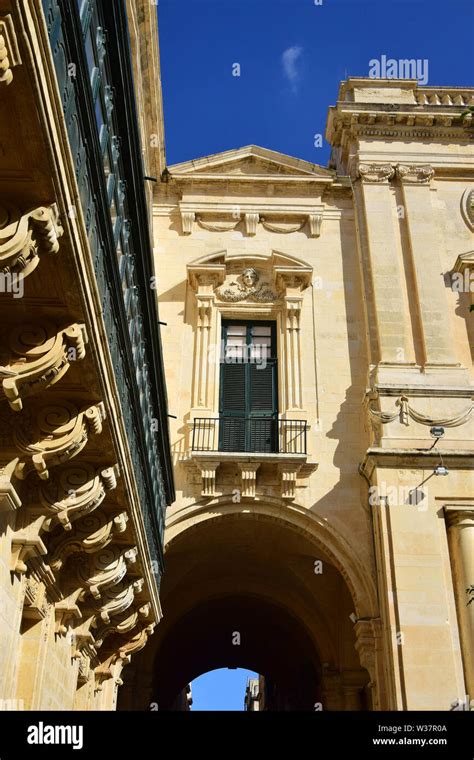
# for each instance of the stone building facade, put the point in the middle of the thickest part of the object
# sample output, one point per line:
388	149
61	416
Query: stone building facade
321	535
317	349
85	468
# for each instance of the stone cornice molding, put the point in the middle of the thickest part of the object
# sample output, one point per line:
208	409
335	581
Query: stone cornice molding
415	174
397	108
455	459
9	51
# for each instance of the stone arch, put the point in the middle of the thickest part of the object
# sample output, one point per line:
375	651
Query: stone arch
298	519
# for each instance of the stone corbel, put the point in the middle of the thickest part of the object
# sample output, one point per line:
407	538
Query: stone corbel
135	641
413	174
251	223
23	237
288	475
122	623
248	478
118	598
60	432
26	541
288	278
104	569
187	221
67	610
9	51
314	222
40	357
90	534
9	498
75	492
208	475
375	173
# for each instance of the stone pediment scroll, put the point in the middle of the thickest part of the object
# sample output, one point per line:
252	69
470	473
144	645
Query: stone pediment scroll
248	286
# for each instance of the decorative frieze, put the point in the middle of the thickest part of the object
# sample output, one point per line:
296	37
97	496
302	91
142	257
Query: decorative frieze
9	51
40	356
59	433
25	237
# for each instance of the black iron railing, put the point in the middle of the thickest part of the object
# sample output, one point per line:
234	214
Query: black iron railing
249	434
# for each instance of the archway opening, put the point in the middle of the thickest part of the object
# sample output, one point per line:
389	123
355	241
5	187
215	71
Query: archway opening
247	591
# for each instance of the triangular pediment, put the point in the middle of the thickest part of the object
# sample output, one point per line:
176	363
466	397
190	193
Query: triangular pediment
252	162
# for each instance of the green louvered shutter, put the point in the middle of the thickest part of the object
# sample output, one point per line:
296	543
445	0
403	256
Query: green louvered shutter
248	393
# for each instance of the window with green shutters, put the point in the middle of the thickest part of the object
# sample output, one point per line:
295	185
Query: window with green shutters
248	411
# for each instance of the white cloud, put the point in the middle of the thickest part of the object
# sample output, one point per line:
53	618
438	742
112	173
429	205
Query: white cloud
289	61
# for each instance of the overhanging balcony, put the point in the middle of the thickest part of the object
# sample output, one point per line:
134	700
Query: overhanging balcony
264	435
251	443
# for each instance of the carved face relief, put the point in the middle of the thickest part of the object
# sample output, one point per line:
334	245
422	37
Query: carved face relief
248	286
250	277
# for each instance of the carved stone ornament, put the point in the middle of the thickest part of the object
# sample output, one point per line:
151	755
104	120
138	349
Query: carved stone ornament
413	174
122	623
40	356
75	492
118	598
246	287
35	605
467	208
24	237
9	498
376	173
90	534
59	433
104	569
9	52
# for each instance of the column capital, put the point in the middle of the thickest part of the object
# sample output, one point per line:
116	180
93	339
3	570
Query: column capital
459	515
415	174
376	173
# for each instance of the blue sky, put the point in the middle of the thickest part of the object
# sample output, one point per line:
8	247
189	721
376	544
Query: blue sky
221	689
208	110
292	56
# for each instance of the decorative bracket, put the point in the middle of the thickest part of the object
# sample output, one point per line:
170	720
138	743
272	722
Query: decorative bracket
24	236
248	475
9	51
43	360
